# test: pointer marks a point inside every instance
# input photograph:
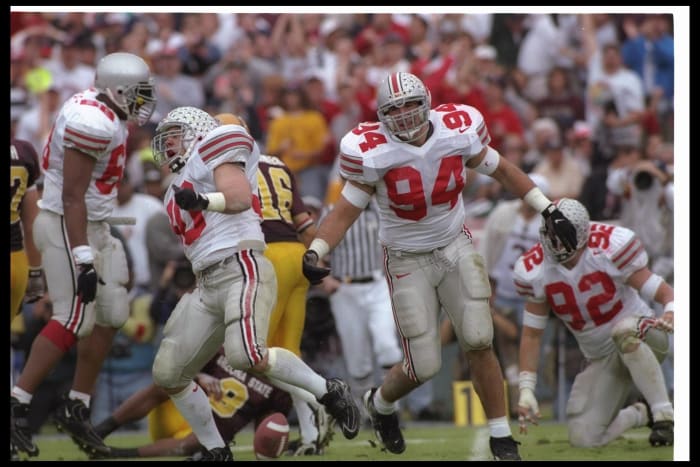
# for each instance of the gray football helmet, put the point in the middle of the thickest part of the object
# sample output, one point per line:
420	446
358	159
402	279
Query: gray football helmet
397	90
126	80
183	126
578	215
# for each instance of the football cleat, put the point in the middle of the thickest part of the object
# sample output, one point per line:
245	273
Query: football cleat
504	449
661	433
341	406
20	433
73	417
216	455
386	427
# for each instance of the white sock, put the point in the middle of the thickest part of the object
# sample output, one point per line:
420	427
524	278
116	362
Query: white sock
286	367
649	379
22	396
193	404
499	427
632	416
297	392
81	396
307	425
382	405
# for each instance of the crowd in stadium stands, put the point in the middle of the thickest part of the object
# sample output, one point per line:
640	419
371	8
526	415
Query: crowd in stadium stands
584	100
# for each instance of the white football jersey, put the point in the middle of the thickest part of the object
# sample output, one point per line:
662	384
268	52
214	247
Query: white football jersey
89	126
418	189
592	296
209	236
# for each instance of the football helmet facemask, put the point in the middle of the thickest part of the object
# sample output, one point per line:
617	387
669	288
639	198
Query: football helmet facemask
126	80
394	92
178	133
578	215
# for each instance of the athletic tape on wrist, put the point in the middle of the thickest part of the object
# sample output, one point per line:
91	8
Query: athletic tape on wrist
217	201
536	199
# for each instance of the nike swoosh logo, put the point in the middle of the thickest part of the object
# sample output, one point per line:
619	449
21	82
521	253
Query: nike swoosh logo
399	276
463	130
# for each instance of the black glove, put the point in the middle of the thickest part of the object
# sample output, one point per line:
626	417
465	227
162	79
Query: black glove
312	272
190	200
560	226
36	285
87	282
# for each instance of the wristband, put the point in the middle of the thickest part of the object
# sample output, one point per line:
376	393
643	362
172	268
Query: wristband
320	246
668	308
82	254
537	200
35	271
217	201
528	380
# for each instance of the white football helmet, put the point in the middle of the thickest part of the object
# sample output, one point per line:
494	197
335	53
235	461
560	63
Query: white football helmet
395	91
126	80
178	133
578	215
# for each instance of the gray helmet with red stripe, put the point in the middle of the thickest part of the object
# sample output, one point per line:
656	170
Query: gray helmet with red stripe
578	215
177	134
394	92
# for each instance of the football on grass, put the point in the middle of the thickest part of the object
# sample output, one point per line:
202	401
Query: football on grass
271	437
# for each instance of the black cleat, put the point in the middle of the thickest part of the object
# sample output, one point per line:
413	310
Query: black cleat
661	433
216	455
20	433
73	418
504	449
386	427
341	406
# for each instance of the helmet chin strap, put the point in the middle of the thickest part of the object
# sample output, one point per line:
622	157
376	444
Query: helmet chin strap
176	164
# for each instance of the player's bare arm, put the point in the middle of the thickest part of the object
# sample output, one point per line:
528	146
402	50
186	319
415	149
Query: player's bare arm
653	287
534	322
77	173
231	181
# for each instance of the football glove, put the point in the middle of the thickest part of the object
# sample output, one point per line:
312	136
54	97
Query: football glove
313	273
190	200
87	282
36	285
560	226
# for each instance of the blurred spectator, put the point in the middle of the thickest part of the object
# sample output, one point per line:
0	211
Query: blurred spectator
507	34
648	51
69	74
560	103
500	118
561	171
173	87
542	131
299	136
34	124
380	25
614	97
197	53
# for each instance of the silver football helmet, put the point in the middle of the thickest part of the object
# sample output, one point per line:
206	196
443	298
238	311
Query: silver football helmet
126	80
397	90
177	134
578	215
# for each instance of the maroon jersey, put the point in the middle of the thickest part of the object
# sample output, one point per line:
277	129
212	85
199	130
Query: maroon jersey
279	200
246	397
24	172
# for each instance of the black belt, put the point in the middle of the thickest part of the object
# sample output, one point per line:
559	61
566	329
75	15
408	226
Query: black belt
355	280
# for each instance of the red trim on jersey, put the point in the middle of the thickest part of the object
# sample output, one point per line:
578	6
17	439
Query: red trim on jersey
217	146
351	164
103	108
632	249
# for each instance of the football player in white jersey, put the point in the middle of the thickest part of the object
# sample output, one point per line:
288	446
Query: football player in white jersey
214	208
601	292
414	160
83	162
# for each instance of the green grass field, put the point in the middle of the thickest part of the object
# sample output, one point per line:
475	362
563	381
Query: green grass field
424	442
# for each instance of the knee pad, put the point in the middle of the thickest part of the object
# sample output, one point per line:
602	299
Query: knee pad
112	305
165	373
627	333
477	326
237	355
425	365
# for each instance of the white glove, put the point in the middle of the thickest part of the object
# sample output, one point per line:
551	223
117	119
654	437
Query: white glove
528	408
